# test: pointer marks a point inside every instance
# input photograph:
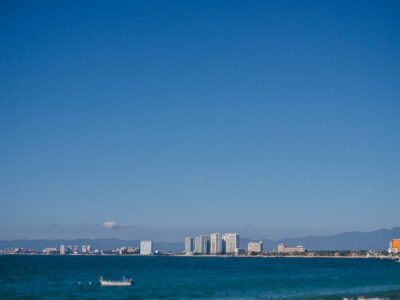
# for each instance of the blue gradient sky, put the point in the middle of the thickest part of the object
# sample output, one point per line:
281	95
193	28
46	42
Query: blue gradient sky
272	118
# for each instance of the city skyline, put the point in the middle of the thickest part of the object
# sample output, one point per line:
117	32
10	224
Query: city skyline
215	244
157	119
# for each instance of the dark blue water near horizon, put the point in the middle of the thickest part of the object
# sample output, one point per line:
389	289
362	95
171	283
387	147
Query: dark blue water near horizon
57	277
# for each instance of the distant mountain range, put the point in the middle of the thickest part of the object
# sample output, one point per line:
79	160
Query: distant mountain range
375	240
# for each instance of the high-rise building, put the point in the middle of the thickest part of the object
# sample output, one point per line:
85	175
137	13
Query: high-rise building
88	248
215	243
146	247
206	244
231	242
255	247
83	248
189	244
62	249
198	245
201	244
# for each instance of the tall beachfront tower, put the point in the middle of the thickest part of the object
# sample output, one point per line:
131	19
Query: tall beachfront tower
189	244
231	242
146	247
216	243
201	244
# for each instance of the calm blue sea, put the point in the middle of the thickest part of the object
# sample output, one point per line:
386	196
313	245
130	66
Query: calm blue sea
56	277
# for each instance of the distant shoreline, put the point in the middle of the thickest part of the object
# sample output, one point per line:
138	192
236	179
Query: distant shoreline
203	256
288	256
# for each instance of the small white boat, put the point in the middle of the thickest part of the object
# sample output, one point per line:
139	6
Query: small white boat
124	282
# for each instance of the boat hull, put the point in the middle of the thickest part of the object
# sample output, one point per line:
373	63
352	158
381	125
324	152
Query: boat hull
115	283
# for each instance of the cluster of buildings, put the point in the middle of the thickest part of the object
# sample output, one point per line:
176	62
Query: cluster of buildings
215	243
145	248
83	249
15	251
394	246
228	243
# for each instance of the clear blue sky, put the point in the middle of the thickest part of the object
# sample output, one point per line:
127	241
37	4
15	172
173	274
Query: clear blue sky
271	118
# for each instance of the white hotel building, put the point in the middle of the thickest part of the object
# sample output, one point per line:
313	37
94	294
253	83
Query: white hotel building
146	247
231	242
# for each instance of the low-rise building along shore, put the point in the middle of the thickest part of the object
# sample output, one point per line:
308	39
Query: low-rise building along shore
255	247
282	248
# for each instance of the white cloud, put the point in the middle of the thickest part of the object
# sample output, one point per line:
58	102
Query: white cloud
109	224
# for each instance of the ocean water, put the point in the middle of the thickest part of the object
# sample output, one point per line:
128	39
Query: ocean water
57	277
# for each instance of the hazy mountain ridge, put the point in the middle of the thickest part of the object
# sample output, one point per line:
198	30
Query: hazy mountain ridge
374	240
